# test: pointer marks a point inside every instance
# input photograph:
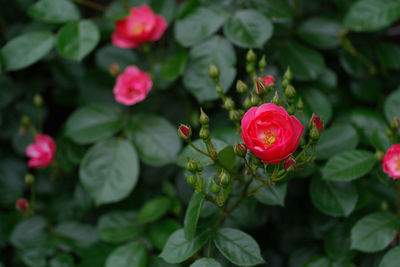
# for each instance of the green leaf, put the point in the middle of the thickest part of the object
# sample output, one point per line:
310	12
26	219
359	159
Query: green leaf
179	249
367	90
76	234
248	28
189	152
77	39
238	247
62	260
315	102
109	171
227	156
155	139
118	226
353	65
333	198
192	215
91	123
154	209
271	194
274	9
372	15
110	54
54	11
388	55
198	25
319	261
391	106
25	50
159	232
196	79
205	262
336	139
380	140
337	243
391	258
29	233
348	165
166	8
130	255
320	32
374	232
305	63
366	122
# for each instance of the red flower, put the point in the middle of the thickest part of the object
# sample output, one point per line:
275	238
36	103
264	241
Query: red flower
317	121
22	204
268	80
289	162
184	131
270	133
132	86
41	152
141	26
391	162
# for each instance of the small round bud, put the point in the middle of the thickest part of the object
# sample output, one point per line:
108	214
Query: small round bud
241	87
289	164
290	109
240	149
114	69
199	167
255	100
249	68
204	132
219	89
275	99
315	120
191	166
229	104
25	121
215	187
184	132
379	155
251	56
204	119
38	100
300	105
213	71
290	92
314	134
388	132
29	179
259	87
284	83
262	63
288	74
247	103
234	115
394	123
224	178
22	204
191	179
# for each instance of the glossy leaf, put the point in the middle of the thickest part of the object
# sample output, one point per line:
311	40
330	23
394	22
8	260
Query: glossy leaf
118	226
177	249
77	39
374	232
109	171
54	11
76	234
320	32
130	255
154	209
205	262
333	198
391	258
192	215
272	194
159	232
91	123
388	55
155	139
26	49
274	9
391	105
349	165
238	247
248	28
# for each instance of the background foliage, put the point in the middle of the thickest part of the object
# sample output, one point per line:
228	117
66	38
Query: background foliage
114	195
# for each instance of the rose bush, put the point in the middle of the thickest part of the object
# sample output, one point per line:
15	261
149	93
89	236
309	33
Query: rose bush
199	133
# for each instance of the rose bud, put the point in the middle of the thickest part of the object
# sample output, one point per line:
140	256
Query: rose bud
22	204
251	56
260	87
184	132
394	124
317	121
132	86
391	162
290	92
114	69
29	179
271	133
141	26
268	80
213	71
41	153
240	149
289	164
224	178
191	166
241	87
204	119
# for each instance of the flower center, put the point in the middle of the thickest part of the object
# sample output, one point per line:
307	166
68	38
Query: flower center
397	162
138	29
270	138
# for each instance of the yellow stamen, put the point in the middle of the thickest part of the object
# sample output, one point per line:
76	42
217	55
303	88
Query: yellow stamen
397	164
270	138
138	29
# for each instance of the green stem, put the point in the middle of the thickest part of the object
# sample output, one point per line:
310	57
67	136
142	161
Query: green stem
91	4
198	149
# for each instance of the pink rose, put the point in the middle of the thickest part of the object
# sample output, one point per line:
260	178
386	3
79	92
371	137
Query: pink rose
268	80
141	26
270	133
41	152
391	162
132	86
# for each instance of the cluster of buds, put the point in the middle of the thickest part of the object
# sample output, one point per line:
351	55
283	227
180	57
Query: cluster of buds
393	129
194	178
315	126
